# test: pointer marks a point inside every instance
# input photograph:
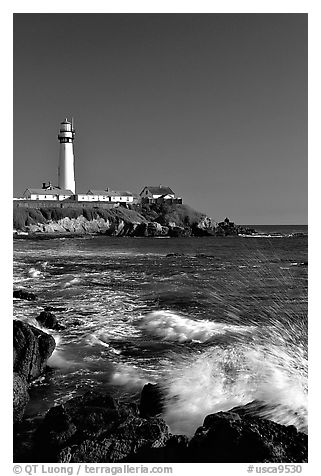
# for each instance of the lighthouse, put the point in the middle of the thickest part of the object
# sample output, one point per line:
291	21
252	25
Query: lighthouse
66	168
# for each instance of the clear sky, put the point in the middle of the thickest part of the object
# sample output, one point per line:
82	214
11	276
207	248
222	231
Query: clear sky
212	105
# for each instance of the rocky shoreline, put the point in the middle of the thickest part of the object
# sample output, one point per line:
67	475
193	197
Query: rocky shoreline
95	427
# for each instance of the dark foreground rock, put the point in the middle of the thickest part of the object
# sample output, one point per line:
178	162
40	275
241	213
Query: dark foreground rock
261	409
96	428
48	319
230	437
20	397
31	350
22	294
151	400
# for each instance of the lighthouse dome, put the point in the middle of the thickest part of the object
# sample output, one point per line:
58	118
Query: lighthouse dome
65	126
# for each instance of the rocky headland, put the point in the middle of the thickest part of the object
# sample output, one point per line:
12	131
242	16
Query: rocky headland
147	220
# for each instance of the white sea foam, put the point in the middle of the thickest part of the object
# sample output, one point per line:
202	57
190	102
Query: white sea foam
175	327
34	273
128	376
58	360
100	339
221	379
72	282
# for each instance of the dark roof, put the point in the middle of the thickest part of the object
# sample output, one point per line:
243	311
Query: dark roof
159	190
97	192
49	191
118	193
110	193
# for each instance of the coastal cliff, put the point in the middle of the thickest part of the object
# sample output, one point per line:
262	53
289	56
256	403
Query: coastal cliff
138	220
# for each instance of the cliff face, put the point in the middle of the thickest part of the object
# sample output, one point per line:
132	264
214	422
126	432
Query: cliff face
82	225
114	222
117	221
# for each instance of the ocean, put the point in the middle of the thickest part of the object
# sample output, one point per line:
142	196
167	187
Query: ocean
216	321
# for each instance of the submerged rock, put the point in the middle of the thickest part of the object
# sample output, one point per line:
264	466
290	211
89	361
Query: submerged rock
55	308
20	397
31	350
49	320
22	294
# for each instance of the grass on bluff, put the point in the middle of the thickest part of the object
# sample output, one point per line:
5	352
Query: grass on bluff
181	215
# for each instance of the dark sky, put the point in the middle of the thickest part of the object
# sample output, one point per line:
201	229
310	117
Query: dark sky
212	105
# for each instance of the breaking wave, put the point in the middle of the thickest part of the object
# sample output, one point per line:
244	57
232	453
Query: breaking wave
223	378
172	326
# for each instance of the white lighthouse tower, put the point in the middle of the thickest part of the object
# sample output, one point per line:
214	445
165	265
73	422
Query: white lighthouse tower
66	169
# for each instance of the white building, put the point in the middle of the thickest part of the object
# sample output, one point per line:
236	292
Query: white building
46	193
121	197
107	195
152	193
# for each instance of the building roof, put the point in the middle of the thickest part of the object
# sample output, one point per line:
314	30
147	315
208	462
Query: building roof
49	191
114	193
97	192
120	193
159	190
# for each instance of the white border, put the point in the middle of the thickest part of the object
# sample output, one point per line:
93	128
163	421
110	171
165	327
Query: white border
165	6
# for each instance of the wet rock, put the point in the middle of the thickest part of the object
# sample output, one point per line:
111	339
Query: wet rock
55	308
179	231
164	230
203	255
31	350
140	230
198	230
154	229
96	428
175	450
22	294
121	445
266	410
20	397
151	400
227	437
49	320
